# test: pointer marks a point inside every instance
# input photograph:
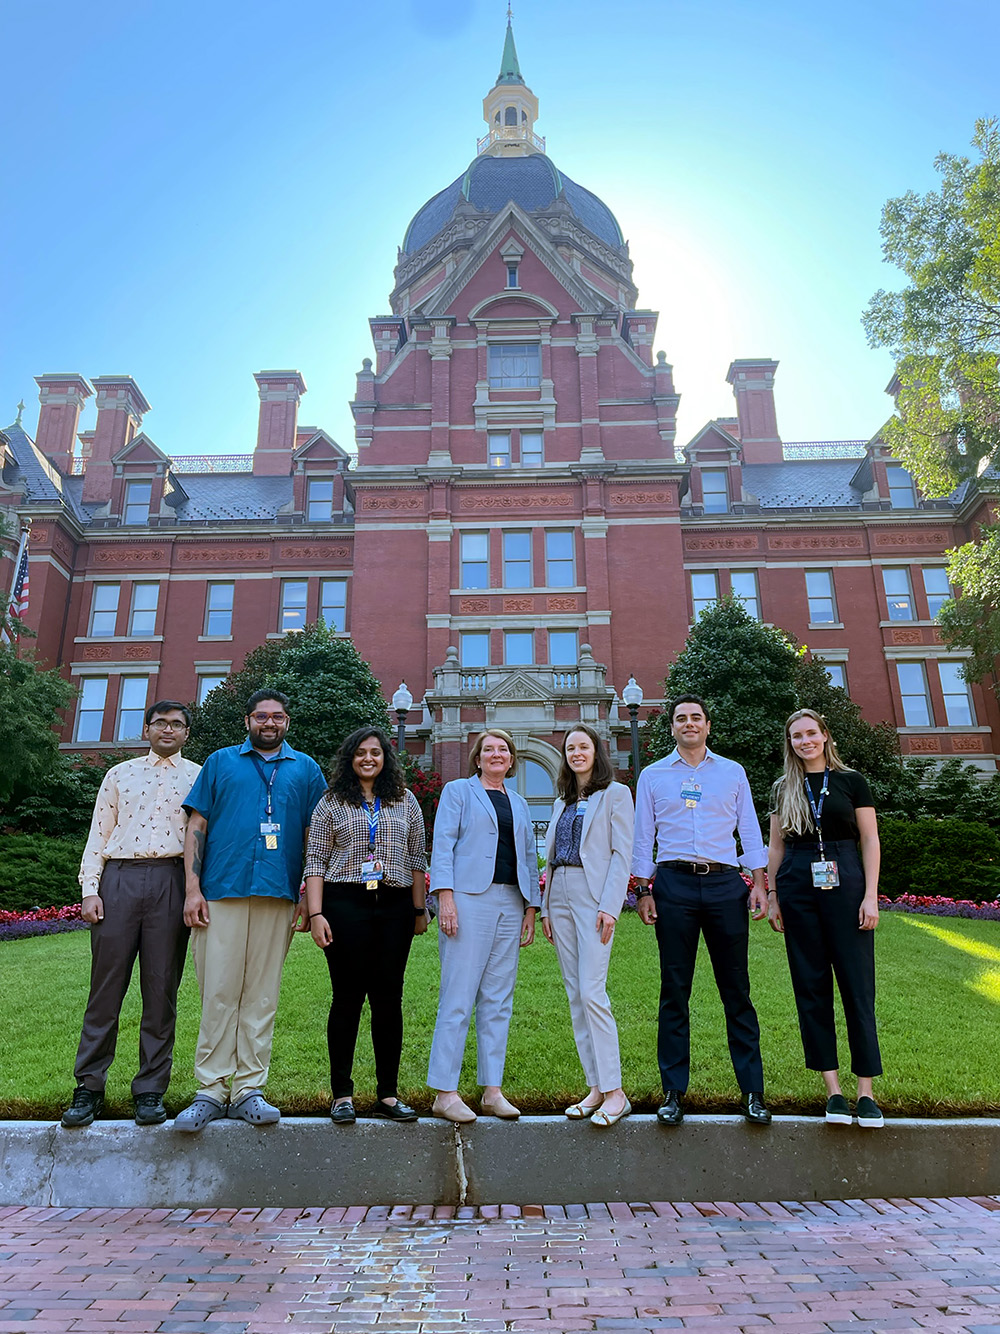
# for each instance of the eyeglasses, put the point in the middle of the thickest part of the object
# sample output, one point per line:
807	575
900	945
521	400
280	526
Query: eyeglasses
168	727
269	717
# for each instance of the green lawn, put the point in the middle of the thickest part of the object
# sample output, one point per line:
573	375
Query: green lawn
939	993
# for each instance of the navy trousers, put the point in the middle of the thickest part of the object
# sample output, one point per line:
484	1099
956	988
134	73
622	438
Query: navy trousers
714	906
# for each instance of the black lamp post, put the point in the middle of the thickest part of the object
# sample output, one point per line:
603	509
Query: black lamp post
402	702
632	697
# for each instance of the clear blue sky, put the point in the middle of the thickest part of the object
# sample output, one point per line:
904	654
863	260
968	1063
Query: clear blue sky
193	192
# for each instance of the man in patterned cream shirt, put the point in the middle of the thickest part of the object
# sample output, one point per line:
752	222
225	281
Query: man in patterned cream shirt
132	876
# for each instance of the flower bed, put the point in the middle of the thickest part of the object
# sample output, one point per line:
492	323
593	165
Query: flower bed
936	905
40	922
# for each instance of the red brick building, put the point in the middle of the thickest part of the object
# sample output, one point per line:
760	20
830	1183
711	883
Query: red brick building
518	532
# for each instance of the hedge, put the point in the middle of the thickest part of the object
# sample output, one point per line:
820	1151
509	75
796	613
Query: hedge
38	872
957	858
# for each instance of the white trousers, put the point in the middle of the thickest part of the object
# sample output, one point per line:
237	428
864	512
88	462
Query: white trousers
583	961
478	972
238	960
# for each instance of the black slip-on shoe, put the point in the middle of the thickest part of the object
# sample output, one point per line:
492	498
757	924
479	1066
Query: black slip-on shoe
838	1111
395	1111
869	1114
343	1114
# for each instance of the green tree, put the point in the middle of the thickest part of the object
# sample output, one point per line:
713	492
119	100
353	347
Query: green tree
331	690
943	327
61	804
31	703
973	620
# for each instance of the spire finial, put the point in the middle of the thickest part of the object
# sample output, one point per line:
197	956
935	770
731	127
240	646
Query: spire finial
510	70
20	409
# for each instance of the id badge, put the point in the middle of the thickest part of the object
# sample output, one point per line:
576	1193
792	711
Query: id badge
270	832
372	872
825	875
691	792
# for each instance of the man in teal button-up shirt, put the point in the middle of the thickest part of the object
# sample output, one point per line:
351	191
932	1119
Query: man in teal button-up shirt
249	812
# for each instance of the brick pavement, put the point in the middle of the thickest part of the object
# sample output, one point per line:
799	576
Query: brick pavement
811	1268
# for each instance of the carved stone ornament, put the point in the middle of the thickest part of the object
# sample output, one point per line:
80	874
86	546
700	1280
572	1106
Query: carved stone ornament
97	651
222	555
926	745
502	500
314	553
967	743
907	637
818	542
913	537
738	542
473	606
641	498
518	604
390	503
138	651
562	603
129	556
40	535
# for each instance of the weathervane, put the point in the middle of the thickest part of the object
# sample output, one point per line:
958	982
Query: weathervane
20	409
510	13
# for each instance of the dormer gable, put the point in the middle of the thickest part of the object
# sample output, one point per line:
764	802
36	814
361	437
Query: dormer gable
318	489
138	482
716	479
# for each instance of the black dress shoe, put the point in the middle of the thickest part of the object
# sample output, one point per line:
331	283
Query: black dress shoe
343	1114
85	1106
394	1111
755	1110
671	1113
149	1109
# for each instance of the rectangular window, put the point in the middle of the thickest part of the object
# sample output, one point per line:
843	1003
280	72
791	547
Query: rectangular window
512	275
333	603
562	648
715	490
219	609
957	699
517	560
519	648
475	560
704	590
206	684
913	688
137	499
898	593
837	672
90	710
142	620
744	585
819	590
937	588
294	593
131	707
104	611
319	502
515	365
559	564
474	646
498	445
532	454
901	491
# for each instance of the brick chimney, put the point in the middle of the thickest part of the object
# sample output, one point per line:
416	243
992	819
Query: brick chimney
280	392
121	405
62	398
753	386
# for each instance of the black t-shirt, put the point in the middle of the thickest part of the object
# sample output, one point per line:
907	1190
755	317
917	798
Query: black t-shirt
848	791
505	868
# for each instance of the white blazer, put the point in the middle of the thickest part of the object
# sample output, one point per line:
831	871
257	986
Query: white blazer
464	852
605	845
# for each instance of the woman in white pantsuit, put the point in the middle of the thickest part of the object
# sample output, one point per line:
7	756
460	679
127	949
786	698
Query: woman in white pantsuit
588	851
485	876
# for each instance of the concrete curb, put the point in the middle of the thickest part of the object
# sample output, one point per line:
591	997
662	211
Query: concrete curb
543	1159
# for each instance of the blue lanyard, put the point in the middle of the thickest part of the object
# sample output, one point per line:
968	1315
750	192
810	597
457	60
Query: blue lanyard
817	811
269	780
372	814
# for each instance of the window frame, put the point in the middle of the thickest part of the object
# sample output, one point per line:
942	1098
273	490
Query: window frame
324	603
701	604
326	506
525	636
512	564
894	600
933	596
830	668
752	604
465	563
539	452
921	667
964	691
83	709
723	475
210	611
136	611
571	662
285	607
144	506
124	682
513	283
556	564
498	456
465	639
112	612
910	488
831	597
203	678
528	378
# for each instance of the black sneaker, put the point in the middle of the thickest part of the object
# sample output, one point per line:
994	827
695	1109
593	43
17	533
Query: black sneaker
149	1109
869	1114
838	1111
85	1106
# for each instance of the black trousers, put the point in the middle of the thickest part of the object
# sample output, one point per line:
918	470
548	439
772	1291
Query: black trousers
823	940
144	919
716	907
372	935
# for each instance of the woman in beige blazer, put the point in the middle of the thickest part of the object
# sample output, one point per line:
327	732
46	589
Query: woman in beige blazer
588	852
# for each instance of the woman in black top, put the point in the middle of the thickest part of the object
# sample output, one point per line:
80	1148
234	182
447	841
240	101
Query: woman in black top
824	898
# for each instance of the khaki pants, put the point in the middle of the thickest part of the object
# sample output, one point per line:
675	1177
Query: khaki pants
238	960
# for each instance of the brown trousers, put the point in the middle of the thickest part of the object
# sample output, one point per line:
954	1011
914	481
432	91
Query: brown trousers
144	919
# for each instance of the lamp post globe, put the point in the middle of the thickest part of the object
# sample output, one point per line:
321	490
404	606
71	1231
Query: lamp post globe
402	702
632	698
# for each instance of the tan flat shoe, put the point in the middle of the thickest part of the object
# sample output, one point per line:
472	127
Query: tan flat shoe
579	1111
453	1110
603	1119
500	1107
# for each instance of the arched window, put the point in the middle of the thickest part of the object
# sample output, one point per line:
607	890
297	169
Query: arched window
537	788
510	116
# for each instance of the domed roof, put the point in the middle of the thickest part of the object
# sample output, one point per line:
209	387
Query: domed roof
532	182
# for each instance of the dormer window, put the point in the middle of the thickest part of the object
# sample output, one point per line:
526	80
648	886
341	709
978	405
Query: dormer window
138	496
715	490
319	502
901	492
512	276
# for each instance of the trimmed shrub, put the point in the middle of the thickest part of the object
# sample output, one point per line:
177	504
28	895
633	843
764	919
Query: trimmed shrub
956	858
38	872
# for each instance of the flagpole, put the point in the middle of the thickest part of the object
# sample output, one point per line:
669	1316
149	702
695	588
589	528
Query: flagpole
25	534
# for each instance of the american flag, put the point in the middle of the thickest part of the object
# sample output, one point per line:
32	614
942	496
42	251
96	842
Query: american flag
18	602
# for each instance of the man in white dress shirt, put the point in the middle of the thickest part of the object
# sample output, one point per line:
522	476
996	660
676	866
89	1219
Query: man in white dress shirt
691	803
132	877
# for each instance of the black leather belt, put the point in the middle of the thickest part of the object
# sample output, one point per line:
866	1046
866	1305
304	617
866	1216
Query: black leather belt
699	867
145	861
